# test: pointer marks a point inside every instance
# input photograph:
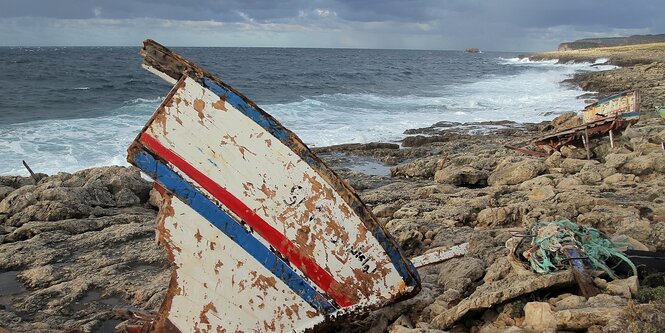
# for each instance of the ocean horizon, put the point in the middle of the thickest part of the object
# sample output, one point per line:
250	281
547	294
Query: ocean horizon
71	108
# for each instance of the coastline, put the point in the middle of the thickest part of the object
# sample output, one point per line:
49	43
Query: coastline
74	245
642	67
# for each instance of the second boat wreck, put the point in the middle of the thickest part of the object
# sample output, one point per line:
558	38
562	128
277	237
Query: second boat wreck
263	236
606	116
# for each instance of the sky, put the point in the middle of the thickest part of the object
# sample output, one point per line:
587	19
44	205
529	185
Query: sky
491	25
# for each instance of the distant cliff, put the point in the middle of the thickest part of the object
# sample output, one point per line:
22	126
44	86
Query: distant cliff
589	43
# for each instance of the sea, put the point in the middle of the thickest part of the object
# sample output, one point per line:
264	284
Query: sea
64	109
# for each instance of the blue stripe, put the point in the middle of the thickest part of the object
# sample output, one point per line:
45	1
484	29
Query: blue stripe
411	279
405	268
220	219
608	98
268	123
628	114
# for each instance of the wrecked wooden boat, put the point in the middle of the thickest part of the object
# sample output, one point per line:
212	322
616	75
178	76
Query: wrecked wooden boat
605	116
625	104
263	236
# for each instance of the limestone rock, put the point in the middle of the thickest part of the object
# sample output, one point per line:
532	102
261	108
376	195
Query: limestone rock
542	193
574	165
421	168
460	273
573	152
570	302
462	176
515	173
626	288
539	316
569	183
566	120
494	216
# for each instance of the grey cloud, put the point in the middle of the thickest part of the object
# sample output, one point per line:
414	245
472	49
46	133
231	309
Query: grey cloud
490	24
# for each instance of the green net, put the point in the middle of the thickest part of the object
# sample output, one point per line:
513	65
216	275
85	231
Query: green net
551	238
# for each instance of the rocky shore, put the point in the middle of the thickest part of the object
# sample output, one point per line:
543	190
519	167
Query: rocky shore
74	246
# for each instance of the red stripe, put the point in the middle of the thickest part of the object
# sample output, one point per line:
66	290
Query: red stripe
282	244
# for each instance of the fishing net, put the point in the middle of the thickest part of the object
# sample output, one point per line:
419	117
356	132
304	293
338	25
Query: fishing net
550	240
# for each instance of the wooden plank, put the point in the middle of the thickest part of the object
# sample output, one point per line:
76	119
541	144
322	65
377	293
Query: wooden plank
440	254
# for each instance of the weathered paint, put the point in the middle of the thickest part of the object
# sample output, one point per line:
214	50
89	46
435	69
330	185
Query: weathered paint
249	196
625	104
613	113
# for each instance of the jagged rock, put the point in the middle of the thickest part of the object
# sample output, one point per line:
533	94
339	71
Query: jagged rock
542	193
569	302
573	165
514	173
419	140
619	178
566	120
460	273
573	152
539	316
569	183
490	294
626	288
421	168
462	176
645	164
554	160
494	216
16	181
5	190
404	231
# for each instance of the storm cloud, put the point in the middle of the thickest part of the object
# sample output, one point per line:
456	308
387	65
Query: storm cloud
509	25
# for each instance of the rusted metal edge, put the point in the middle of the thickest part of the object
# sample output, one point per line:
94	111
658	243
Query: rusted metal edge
440	254
174	65
558	139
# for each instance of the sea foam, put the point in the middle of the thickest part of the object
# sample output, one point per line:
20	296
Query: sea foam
531	94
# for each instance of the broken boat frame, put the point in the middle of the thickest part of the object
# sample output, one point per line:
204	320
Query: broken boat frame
614	113
262	234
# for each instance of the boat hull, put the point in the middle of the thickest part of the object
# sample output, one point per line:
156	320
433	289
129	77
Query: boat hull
263	236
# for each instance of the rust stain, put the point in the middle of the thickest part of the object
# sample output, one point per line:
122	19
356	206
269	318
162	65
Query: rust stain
268	142
232	140
311	314
249	189
212	245
268	192
264	282
218	265
163	324
269	326
203	316
199	105
220	104
198	236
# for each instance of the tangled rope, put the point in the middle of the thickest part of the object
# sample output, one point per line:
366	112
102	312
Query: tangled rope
550	239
